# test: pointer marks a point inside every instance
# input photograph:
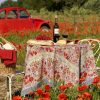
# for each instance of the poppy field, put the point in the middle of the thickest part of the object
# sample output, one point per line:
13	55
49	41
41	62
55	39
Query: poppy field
77	28
67	91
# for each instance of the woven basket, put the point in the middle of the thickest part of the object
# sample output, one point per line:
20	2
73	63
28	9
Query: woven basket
9	69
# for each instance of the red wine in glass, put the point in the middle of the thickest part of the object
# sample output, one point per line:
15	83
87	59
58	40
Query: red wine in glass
65	36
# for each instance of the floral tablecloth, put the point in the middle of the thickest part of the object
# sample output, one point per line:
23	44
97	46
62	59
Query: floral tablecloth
53	63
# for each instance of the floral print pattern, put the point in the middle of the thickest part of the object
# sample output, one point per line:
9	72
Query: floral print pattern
53	63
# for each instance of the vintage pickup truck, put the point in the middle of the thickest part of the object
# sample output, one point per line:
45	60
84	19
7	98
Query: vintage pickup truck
18	19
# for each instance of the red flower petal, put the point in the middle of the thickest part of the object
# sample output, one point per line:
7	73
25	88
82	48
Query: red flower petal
83	87
47	87
39	91
86	95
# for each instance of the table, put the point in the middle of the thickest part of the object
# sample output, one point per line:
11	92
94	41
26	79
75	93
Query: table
53	63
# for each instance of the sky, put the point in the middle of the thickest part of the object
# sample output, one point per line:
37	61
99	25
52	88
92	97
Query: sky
5	0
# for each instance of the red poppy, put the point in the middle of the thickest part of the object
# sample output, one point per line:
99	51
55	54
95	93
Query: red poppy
82	88
62	96
40	99
96	80
47	87
82	79
86	95
69	84
62	87
46	95
19	47
16	98
22	34
43	99
46	99
79	97
39	91
42	37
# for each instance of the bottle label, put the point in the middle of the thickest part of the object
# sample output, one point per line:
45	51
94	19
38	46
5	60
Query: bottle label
56	31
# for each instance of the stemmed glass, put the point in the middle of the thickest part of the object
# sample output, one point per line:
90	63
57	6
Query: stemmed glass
65	36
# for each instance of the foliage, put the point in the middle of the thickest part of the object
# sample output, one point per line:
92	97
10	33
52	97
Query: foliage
55	5
8	3
20	41
65	91
93	5
77	26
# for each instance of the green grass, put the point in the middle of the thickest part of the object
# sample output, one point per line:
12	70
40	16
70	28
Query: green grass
23	40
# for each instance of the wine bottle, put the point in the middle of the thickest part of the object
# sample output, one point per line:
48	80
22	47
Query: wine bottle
56	34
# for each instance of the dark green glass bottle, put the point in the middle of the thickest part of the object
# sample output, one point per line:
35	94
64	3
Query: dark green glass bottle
56	33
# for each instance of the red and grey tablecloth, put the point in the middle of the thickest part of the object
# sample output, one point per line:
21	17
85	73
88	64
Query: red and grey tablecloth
53	63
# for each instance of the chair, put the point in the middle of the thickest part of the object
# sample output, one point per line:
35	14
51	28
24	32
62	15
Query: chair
8	71
95	44
9	84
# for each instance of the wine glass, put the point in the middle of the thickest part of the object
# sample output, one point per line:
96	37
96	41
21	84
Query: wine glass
65	36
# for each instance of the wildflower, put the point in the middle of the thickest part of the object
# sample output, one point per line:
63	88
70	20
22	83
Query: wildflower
47	87
82	88
79	97
46	99
96	80
86	95
39	91
43	99
62	87
46	95
16	98
62	96
42	37
69	84
40	99
22	34
19	47
82	79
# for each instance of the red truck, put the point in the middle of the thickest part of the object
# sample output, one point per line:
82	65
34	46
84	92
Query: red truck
18	19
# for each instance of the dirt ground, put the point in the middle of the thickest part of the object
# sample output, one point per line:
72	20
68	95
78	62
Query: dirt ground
16	85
